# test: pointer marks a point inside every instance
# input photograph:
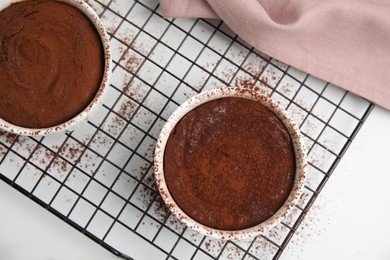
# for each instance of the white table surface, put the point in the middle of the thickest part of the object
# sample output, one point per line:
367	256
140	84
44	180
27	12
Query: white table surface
348	221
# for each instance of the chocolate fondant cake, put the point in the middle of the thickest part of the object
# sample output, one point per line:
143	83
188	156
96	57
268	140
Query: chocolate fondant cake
51	63
229	163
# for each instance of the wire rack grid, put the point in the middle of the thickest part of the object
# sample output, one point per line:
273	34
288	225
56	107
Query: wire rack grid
99	178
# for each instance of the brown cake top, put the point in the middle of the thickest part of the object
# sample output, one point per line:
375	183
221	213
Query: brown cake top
51	63
229	163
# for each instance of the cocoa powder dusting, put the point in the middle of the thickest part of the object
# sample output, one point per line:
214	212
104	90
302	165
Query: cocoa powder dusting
51	63
9	137
132	63
230	163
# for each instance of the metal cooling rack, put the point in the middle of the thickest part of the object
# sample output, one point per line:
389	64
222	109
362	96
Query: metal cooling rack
99	178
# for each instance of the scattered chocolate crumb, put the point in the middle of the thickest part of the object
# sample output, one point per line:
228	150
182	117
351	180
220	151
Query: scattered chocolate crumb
161	210
2	151
132	64
127	108
9	137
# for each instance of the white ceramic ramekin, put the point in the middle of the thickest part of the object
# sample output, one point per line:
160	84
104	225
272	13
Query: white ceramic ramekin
83	115
300	155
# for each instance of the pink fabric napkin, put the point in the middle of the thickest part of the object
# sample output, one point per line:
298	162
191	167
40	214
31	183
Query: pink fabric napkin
345	42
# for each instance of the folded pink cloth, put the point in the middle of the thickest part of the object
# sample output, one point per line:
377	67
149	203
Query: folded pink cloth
345	42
